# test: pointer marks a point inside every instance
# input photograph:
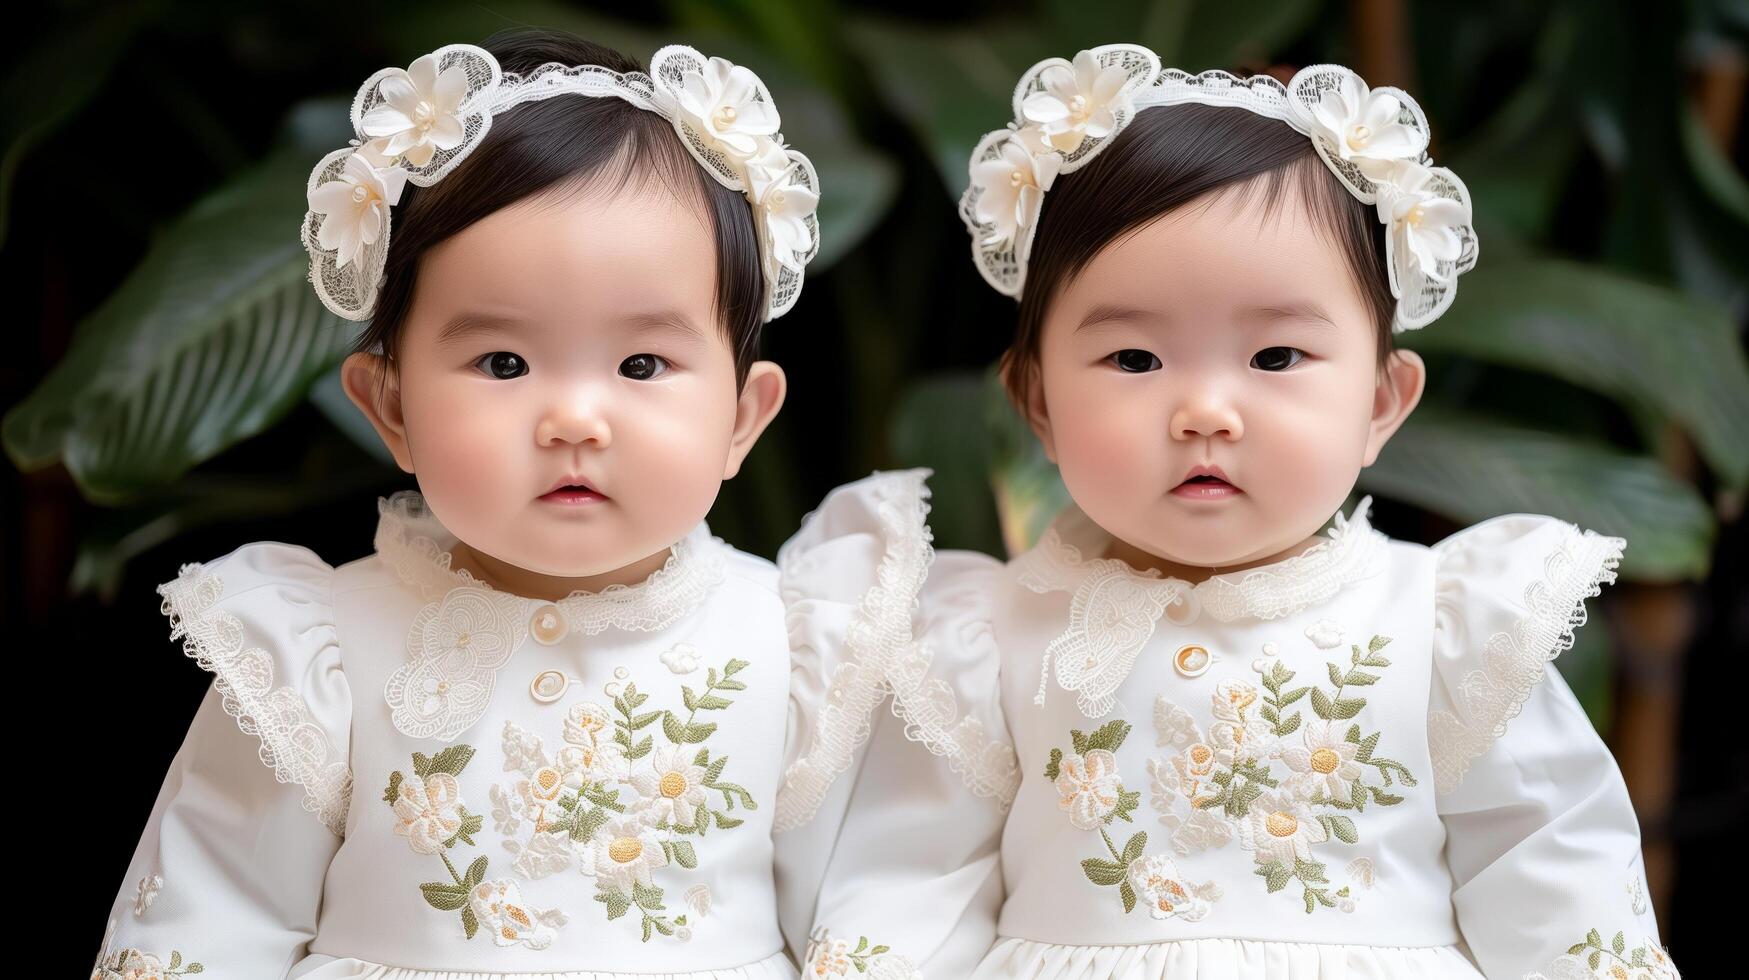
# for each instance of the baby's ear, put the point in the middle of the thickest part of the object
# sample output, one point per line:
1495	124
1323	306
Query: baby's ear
761	396
372	384
1027	391
1400	384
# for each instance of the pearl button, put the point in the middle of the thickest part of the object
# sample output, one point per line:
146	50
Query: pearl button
548	624
1191	660
548	686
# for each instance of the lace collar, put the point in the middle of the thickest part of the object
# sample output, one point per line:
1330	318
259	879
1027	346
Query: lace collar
416	547
1115	608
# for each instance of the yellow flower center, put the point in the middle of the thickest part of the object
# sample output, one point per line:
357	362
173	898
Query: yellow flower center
461	639
1281	824
1415	216
1325	761
546	781
1359	137
625	849
672	785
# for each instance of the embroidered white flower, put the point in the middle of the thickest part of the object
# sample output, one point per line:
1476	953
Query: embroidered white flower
1365	126
1173	725
523	751
1277	827
146	893
681	658
499	906
625	851
672	788
1637	895
428	811
543	855
506	811
1240	733
1423	223
592	756
1324	634
1324	764
1200	830
419	114
698	899
723	103
1165	893
355	208
538	797
1013	184
1088	787
139	965
1077	102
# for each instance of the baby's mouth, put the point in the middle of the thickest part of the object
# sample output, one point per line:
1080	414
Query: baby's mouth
573	494
1206	483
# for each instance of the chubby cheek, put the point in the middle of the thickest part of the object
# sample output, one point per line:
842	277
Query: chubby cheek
1110	448
1304	454
669	460
470	453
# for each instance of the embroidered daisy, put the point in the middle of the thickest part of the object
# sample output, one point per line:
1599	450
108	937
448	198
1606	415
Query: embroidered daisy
672	788
1277	827
428	811
1324	765
625	851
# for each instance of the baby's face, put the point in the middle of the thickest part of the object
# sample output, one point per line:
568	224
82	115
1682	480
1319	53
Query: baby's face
571	341
1215	339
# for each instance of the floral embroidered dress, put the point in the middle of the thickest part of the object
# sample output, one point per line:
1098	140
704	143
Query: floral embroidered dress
1358	762
401	772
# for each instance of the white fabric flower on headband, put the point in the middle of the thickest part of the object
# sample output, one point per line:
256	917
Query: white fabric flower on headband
355	208
416	126
724	101
1367	125
1077	101
1012	179
420	111
1374	141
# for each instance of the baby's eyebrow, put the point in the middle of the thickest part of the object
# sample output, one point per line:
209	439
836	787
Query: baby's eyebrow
1297	310
466	324
663	320
1111	313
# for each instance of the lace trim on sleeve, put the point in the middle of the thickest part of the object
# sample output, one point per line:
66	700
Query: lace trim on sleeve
879	633
1513	661
986	764
293	745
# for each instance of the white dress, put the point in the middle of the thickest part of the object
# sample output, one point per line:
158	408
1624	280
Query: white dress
1358	762
400	772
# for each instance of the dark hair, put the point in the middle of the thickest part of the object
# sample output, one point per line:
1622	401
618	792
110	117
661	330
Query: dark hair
1167	157
569	140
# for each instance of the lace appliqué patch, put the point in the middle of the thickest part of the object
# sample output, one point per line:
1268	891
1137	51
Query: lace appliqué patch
1513	662
1595	959
293	745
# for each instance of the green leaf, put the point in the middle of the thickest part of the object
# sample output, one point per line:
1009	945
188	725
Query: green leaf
470	922
1321	705
1470	470
1344	830
1358	678
209	341
684	854
451	760
1128	894
710	702
1674	354
1102	872
1132	850
1335	674
1053	768
394	789
1109	736
444	896
616	901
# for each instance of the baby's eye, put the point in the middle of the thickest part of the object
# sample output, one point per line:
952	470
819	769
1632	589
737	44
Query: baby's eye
642	367
503	365
1135	361
1277	358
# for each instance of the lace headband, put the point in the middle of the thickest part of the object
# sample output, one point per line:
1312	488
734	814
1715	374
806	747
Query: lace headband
418	125
1373	140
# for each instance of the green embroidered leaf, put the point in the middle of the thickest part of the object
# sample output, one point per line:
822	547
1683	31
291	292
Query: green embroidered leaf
1129	896
733	793
1344	708
1309	871
450	760
731	686
1356	678
444	896
1335	674
1321	705
673	727
616	901
1378	643
644	720
684	854
1344	830
1575	949
701	821
1275	875
1596	958
585	826
1383	798
646	928
476	872
1364	752
175	959
1102	872
1269	714
1311	903
1291	725
1127	801
1133	849
1108	736
734	667
710	702
1078	741
642	748
394	789
688	698
647	896
1619	944
470	922
710	677
663	927
1294	695
1358	796
724	821
714	770
1352	735
1054	767
421	764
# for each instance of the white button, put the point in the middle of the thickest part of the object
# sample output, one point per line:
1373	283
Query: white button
1192	660
548	624
548	686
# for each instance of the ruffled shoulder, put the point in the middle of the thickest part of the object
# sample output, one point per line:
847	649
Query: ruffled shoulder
261	620
849	581
1508	595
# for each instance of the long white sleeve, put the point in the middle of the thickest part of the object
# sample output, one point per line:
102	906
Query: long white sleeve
229	871
1542	841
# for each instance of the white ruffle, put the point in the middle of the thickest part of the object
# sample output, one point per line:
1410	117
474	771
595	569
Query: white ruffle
1521	581
283	593
1224	959
878	630
774	967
